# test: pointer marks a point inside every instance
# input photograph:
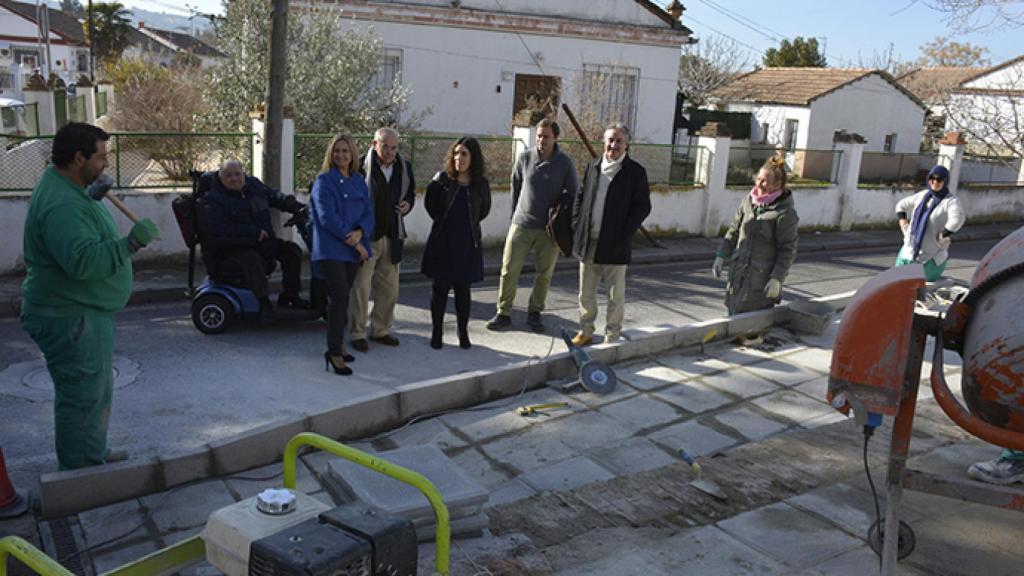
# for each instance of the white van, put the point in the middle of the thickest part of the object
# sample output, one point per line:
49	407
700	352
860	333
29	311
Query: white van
12	117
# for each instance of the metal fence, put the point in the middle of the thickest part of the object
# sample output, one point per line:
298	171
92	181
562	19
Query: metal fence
906	170
76	108
665	164
805	166
137	160
101	104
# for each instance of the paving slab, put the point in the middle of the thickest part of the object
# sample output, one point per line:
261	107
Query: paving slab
251	482
587	430
794	406
739	383
622	391
692	436
528	450
479	468
566	475
432	431
739	355
694	396
116	520
783	372
816	389
789	535
858	562
819	359
460	491
106	559
848	507
511	491
750	424
187	507
632	456
648	375
691	365
642	412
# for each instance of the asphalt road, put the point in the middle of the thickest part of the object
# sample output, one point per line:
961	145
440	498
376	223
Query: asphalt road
179	389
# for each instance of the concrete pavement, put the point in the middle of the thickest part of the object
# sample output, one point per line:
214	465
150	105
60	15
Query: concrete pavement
598	488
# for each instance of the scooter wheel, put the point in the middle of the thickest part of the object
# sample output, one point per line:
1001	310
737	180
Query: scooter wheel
211	313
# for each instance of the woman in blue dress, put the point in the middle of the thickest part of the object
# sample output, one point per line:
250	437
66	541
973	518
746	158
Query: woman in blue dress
457	199
342	224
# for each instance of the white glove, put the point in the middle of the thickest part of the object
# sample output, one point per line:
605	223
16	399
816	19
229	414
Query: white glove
944	242
773	289
716	266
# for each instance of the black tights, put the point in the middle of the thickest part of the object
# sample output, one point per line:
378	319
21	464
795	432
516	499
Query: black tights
439	302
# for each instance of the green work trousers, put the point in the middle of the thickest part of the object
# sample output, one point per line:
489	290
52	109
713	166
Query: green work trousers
932	271
78	351
518	245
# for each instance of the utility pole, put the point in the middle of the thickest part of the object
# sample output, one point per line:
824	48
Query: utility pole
275	94
91	42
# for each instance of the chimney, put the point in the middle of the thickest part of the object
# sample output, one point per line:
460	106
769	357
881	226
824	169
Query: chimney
675	8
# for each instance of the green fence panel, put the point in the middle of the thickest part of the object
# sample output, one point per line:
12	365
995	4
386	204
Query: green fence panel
101	104
895	170
76	108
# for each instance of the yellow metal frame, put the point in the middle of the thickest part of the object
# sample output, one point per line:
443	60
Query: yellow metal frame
410	477
177	556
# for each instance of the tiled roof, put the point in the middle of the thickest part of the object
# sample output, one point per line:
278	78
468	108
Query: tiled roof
187	43
932	84
797	86
66	26
664	15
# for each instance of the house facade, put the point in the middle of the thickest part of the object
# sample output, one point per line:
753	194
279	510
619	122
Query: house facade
21	53
989	108
167	47
474	63
803	108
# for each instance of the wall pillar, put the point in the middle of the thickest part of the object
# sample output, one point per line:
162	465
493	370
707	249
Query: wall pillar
714	141
525	137
951	155
851	150
287	165
37	92
85	88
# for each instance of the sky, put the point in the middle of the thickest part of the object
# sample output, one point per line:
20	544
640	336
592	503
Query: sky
853	32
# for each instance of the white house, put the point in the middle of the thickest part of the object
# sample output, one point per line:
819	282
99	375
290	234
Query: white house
20	52
475	63
167	47
803	108
989	108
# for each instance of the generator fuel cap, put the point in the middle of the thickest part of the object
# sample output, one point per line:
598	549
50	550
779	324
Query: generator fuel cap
276	501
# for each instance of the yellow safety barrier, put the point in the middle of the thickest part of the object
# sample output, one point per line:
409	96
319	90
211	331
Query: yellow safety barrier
410	477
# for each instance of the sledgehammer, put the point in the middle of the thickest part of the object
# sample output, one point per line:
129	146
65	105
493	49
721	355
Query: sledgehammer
98	190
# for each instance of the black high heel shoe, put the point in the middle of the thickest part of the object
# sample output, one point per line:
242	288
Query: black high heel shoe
464	342
435	340
329	363
347	357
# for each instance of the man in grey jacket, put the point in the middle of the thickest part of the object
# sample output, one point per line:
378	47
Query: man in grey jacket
542	175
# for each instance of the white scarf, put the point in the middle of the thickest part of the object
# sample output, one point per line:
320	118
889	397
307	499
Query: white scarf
609	168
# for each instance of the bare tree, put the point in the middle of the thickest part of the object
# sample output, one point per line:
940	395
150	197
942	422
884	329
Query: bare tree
991	115
943	52
708	65
978	15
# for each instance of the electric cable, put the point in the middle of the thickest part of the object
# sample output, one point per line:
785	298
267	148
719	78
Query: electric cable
868	432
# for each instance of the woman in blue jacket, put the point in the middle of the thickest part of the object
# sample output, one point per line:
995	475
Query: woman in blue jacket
342	225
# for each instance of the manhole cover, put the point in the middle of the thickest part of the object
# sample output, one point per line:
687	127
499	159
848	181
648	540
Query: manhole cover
31	381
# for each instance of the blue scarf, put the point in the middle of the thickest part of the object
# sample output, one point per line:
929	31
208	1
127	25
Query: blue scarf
924	209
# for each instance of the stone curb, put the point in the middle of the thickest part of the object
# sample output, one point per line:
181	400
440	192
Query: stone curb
69	492
808	245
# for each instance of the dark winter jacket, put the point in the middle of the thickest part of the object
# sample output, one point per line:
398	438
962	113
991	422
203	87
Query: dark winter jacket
242	214
761	244
401	188
438	200
626	206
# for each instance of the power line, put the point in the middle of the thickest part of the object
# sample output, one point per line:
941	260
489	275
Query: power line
758	51
743	21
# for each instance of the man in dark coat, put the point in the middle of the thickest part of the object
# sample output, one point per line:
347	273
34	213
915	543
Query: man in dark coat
609	208
242	235
392	189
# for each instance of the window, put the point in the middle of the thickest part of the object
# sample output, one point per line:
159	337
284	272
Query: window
890	143
764	132
82	60
608	94
789	137
389	70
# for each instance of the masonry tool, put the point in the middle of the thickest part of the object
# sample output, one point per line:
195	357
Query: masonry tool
876	372
706	486
98	191
707	338
534	409
595	376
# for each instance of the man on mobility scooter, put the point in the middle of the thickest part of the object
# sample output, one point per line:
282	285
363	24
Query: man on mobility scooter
241	236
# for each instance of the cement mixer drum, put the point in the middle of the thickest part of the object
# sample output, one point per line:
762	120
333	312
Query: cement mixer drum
993	341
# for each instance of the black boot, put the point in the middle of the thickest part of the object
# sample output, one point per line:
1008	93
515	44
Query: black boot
438	303
462	309
464	342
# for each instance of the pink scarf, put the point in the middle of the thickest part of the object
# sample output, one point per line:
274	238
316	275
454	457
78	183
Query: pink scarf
759	199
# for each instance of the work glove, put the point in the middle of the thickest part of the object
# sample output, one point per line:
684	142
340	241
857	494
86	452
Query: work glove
944	242
142	233
773	289
716	266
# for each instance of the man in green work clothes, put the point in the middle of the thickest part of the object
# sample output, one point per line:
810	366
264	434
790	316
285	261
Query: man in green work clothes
79	275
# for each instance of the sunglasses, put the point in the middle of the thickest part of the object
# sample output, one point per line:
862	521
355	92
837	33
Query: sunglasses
936	178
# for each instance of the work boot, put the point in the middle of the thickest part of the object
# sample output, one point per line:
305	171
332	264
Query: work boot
113	456
581	339
999	471
499	322
266	311
535	322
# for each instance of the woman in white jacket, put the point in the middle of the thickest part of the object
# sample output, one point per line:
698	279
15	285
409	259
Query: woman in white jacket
928	220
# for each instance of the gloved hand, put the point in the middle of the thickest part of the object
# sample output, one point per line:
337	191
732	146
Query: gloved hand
144	232
716	266
773	289
944	242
